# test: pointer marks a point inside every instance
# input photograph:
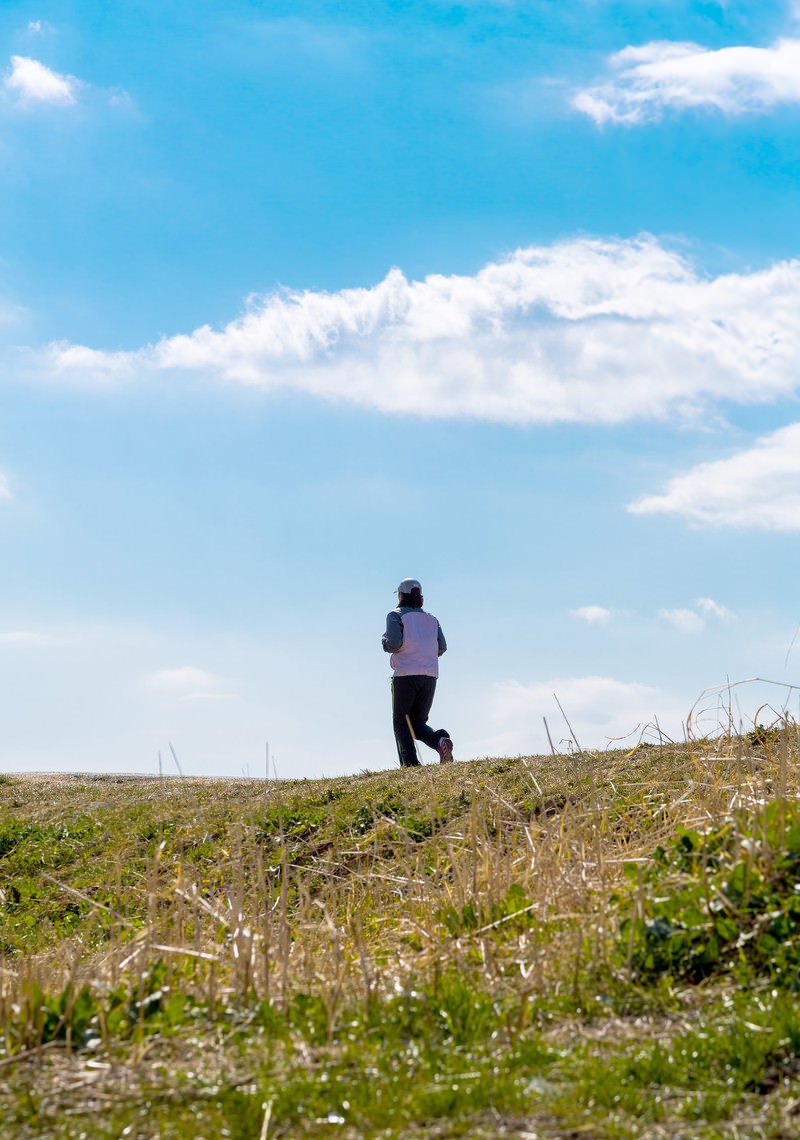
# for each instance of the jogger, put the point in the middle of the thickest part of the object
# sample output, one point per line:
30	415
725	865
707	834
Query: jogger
416	642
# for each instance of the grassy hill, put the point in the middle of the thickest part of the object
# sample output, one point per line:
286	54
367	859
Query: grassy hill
601	945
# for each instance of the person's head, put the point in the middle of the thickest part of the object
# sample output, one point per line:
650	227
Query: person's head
409	593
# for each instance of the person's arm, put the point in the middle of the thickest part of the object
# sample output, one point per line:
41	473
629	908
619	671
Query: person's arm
441	640
392	640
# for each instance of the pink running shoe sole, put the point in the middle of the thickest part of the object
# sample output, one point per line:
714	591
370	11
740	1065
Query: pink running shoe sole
445	750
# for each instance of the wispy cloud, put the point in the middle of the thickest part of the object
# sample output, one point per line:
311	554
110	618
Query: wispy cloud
593	615
581	331
648	79
695	620
40	28
93	365
24	638
5	489
713	609
32	82
190	683
688	621
758	487
600	709
11	314
295	39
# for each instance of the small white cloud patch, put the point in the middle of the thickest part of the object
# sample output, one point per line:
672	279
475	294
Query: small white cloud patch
662	74
594	615
713	609
5	490
693	621
688	621
35	83
189	683
97	366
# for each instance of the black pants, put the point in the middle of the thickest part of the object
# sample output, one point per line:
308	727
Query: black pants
412	698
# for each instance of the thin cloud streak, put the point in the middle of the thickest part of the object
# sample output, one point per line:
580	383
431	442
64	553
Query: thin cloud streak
662	74
758	488
584	331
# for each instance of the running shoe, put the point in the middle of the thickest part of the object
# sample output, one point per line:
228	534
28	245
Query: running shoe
445	750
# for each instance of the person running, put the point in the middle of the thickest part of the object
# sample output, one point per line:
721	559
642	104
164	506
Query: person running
416	642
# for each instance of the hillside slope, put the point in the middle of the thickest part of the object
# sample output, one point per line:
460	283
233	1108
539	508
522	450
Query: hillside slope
603	945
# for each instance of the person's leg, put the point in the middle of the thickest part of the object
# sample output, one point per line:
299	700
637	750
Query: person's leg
423	700
403	695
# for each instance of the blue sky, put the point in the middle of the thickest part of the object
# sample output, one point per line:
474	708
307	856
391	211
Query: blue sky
298	300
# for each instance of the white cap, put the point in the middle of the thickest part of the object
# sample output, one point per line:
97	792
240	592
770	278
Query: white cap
407	585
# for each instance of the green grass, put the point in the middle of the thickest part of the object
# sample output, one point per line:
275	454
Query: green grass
604	946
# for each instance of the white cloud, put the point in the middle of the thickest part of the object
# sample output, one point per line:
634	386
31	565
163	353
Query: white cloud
711	608
33	82
663	74
687	621
602	698
693	621
599	709
758	487
594	615
189	683
581	331
69	360
5	490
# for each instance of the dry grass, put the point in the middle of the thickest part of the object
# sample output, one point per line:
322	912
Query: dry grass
332	897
